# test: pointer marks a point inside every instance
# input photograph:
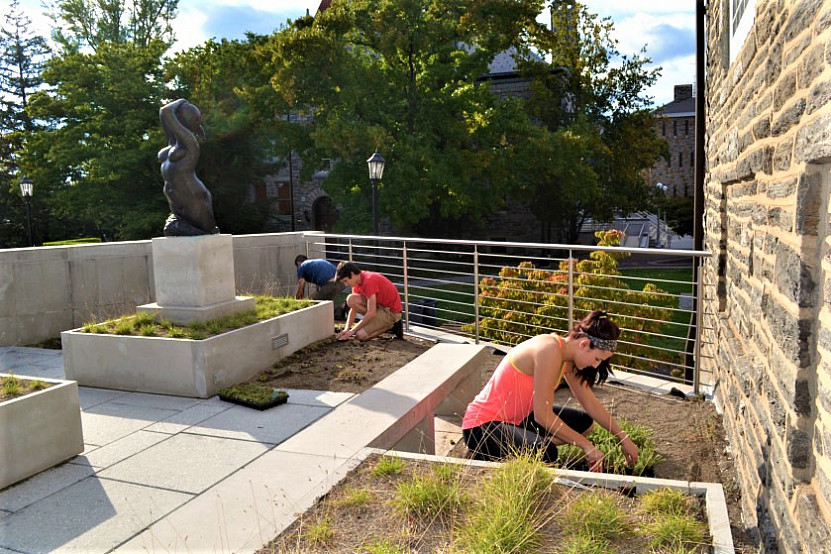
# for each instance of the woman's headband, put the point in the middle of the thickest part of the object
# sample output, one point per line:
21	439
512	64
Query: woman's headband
603	344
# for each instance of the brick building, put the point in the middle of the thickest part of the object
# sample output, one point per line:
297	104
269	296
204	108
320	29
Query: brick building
675	122
767	323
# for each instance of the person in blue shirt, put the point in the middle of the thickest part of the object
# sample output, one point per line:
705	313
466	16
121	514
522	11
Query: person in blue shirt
321	273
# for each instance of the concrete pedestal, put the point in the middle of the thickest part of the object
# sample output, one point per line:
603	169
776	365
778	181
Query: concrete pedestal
194	279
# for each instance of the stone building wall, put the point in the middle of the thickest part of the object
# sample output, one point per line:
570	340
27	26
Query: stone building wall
677	173
768	285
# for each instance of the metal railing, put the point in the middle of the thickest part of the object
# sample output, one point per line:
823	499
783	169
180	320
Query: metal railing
504	292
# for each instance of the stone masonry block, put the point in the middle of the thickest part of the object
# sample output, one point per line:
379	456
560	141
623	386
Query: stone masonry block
801	16
784	91
794	278
803	399
792	333
783	155
819	96
799	448
808	203
783	188
787	118
815	532
811	65
813	141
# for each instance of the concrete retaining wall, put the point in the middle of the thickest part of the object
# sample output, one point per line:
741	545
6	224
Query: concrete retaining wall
47	290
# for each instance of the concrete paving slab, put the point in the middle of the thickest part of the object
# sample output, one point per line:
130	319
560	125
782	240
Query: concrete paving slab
318	397
247	510
42	485
106	423
191	416
91	397
90	517
118	451
185	462
271	426
163	401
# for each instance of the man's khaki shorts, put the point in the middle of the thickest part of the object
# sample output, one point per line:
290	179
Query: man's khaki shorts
384	319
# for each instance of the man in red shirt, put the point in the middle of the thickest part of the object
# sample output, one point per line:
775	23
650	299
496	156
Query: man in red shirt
375	297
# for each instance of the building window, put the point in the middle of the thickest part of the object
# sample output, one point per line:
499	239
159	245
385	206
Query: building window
284	198
664	129
742	14
675	128
680	159
270	189
692	158
686	126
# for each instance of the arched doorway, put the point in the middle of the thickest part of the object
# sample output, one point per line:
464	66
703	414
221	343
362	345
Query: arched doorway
325	214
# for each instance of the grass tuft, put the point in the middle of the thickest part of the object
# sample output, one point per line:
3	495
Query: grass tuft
144	324
430	495
678	533
388	465
596	514
507	516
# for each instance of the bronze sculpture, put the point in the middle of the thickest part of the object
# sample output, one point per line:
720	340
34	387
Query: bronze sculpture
191	208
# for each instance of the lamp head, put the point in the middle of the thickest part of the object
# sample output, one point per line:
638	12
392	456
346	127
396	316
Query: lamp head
26	187
376	166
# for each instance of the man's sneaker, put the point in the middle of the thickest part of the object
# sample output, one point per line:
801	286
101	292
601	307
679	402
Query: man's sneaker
398	329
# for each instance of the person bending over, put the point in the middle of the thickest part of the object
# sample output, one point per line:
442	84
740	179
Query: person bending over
515	411
375	298
321	273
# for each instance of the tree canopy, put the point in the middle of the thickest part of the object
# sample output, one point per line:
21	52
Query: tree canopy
412	78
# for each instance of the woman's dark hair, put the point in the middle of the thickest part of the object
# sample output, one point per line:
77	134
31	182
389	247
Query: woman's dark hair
347	269
596	325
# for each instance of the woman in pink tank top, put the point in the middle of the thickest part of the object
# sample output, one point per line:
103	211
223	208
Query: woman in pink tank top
515	411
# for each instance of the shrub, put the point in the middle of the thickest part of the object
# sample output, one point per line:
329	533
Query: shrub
524	301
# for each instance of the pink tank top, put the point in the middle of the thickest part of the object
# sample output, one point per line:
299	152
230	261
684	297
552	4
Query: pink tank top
508	396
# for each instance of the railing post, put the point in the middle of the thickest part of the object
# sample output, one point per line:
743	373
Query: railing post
351	259
570	290
406	286
699	322
476	293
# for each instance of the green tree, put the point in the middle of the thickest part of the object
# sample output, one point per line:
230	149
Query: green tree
96	160
405	76
593	100
22	54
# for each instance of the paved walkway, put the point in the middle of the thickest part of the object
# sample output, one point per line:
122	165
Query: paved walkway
169	474
146	456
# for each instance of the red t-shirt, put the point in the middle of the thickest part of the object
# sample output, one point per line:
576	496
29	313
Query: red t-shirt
386	295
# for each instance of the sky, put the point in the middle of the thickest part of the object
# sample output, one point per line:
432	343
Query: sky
667	29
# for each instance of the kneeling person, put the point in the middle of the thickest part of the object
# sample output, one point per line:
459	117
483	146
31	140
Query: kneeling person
375	297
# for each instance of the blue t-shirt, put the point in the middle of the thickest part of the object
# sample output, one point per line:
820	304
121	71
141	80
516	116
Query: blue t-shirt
318	272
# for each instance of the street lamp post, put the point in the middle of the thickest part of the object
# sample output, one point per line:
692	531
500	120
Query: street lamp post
376	171
663	189
26	188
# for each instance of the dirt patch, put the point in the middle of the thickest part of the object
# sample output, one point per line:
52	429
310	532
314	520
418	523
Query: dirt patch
688	432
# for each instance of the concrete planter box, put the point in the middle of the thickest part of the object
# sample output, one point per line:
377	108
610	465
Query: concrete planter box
193	368
39	430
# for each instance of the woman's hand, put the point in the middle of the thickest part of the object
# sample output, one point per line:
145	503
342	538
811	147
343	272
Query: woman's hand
630	451
594	458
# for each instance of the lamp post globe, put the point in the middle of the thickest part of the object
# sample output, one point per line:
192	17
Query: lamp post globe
26	190
376	171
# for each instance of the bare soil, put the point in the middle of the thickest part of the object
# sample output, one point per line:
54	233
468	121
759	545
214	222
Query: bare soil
688	432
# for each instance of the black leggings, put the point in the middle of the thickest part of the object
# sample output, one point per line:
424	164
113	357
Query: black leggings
496	440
